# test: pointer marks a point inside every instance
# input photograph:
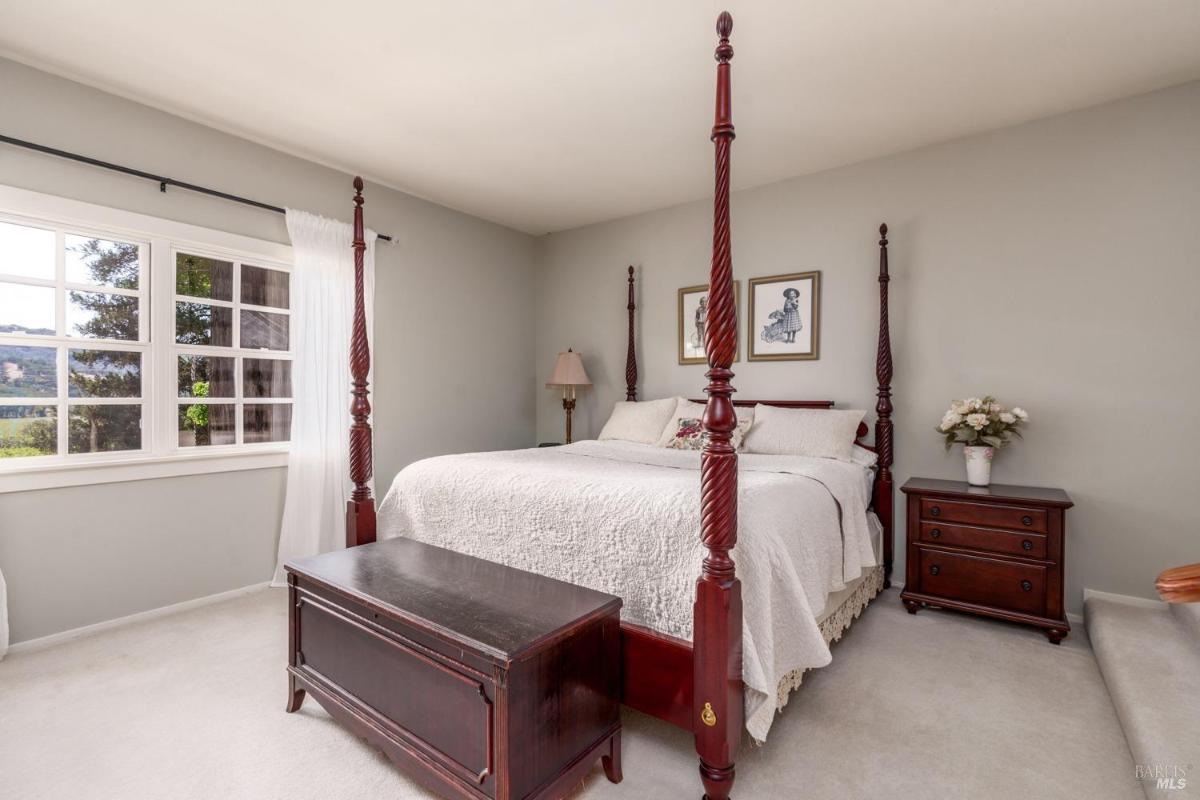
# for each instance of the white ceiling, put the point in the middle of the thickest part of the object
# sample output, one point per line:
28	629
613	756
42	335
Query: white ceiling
548	114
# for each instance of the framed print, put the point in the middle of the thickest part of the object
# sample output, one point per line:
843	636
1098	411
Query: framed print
693	315
784	320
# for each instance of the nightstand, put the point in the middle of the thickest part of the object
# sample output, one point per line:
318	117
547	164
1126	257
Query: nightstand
996	551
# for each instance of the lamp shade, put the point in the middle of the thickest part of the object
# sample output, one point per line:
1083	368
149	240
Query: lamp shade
568	371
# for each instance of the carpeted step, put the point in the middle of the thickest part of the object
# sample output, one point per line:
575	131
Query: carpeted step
1188	615
1150	661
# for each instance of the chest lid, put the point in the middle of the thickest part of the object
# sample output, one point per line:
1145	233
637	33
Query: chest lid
497	611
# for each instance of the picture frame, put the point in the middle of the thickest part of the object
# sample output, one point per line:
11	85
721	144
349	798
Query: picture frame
778	304
690	335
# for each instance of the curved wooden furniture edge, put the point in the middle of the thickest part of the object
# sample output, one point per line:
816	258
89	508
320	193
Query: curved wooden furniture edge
1180	584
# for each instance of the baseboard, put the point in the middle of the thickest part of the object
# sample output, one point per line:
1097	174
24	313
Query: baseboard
1129	600
88	630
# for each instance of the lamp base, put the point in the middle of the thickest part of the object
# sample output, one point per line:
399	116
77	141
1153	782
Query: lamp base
568	407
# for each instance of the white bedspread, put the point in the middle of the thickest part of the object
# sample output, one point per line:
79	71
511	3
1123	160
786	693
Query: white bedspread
624	518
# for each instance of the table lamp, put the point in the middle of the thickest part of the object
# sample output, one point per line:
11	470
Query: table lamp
568	373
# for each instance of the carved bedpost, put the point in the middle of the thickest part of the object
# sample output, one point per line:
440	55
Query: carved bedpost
883	414
360	509
717	622
631	354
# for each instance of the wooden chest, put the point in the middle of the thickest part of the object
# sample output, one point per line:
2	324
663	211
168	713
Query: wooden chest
478	680
996	551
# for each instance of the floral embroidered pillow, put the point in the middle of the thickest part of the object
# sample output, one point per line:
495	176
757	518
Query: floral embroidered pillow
689	434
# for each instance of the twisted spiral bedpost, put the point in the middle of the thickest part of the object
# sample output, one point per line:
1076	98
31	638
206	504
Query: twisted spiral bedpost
631	353
360	509
883	412
717	621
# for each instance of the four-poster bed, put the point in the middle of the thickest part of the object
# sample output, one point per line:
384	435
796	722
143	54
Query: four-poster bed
697	684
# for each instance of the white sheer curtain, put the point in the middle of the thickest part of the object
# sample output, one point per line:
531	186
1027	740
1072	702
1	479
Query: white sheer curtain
318	483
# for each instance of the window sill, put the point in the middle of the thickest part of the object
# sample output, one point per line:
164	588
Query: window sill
136	468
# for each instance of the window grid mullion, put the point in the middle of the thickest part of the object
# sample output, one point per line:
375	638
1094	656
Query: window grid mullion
236	321
103	401
60	279
103	288
206	301
26	280
60	330
60	366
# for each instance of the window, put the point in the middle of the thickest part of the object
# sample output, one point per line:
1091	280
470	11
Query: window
72	341
126	339
232	335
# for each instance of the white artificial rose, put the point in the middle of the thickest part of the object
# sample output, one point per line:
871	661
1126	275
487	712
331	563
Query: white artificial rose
977	421
950	420
958	407
1007	418
1020	413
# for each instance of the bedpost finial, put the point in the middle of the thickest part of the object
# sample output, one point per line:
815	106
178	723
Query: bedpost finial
724	28
358	190
883	230
631	272
724	25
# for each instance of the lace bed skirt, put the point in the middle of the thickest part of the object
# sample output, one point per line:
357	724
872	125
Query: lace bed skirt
834	626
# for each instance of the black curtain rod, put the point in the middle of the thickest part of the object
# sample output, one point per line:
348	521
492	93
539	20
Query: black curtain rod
162	181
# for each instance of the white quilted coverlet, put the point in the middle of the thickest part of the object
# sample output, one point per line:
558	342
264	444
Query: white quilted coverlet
624	518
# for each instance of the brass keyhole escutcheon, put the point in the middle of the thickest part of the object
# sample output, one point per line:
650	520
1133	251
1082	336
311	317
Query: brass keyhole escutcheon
708	716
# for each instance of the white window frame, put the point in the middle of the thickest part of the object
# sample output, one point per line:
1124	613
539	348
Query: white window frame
160	455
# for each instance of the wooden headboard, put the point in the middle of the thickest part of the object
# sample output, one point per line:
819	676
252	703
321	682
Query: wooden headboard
883	445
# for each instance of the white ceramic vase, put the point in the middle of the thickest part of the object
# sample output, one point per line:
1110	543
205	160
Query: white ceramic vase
979	464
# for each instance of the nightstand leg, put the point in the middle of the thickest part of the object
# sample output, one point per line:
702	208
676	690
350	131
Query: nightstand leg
912	606
1055	635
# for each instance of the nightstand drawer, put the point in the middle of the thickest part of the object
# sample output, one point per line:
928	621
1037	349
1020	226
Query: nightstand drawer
995	516
985	581
1032	545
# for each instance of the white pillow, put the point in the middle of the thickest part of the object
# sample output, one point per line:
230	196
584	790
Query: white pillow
639	421
823	433
686	409
864	457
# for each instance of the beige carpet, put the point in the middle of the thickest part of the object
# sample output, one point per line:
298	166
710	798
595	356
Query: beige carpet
926	707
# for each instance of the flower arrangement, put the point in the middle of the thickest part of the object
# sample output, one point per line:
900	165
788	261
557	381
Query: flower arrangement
977	422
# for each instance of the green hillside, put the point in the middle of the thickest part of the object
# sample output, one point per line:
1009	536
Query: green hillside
27	371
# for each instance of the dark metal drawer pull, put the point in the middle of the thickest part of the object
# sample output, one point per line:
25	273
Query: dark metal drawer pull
935	569
935	512
935	533
1026	520
1026	545
1027	586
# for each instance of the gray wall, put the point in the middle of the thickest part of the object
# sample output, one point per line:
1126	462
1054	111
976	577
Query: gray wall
1055	264
77	556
